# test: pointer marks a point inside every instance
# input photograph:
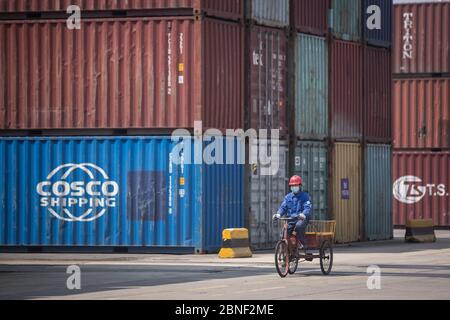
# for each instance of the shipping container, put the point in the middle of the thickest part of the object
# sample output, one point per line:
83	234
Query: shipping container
421	113
422	38
268	187
268	12
311	87
310	16
267	76
311	163
121	192
346	82
346	19
121	73
377	94
421	187
378	192
346	191
377	22
229	9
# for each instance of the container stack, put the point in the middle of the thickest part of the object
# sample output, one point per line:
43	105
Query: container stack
421	117
266	52
360	119
86	117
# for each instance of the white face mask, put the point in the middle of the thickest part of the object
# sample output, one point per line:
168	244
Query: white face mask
295	189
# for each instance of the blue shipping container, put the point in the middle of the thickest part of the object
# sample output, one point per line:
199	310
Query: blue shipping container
378	192
116	192
374	34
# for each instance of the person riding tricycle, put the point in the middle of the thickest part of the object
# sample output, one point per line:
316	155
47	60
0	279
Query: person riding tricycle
297	206
296	243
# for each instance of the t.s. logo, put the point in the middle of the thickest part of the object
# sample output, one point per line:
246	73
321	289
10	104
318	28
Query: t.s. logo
411	189
78	192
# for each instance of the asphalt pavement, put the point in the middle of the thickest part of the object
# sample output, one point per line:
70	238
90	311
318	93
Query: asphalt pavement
370	271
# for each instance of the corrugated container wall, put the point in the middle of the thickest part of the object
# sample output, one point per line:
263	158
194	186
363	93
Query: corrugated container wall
421	187
267	76
230	9
422	38
346	90
268	187
310	16
346	19
378	192
346	191
114	192
121	73
377	95
311	87
421	113
374	34
311	163
268	12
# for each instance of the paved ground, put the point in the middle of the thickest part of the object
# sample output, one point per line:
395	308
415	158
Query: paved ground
408	271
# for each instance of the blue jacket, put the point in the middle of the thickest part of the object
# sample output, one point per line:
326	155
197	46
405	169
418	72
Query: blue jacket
294	204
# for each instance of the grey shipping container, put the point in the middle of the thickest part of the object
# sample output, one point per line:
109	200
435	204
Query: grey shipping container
378	192
267	191
266	100
311	163
271	13
311	87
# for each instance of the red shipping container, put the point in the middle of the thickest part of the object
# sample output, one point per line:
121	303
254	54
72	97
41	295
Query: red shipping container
152	73
422	38
421	113
310	16
421	187
377	95
346	112
231	9
267	75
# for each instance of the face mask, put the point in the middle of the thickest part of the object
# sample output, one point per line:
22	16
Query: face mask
295	189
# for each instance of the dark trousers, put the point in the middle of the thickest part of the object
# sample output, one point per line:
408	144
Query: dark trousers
300	229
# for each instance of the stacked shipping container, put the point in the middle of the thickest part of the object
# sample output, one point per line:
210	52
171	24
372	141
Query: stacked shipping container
266	107
421	116
153	66
156	66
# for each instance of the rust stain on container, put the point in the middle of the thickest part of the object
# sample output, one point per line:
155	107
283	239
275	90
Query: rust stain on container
422	38
421	187
377	94
346	90
231	9
267	74
310	16
122	73
421	113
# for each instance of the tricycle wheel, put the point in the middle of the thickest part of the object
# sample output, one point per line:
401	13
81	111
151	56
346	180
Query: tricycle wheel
293	265
282	259
326	257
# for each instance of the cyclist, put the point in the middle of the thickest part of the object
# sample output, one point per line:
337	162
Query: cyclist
297	206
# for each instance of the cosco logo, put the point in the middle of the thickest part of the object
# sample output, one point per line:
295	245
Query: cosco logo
78	192
411	189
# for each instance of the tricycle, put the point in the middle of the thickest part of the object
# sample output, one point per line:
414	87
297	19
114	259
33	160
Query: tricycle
319	238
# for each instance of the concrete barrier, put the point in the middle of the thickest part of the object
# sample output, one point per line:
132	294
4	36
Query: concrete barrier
235	244
420	231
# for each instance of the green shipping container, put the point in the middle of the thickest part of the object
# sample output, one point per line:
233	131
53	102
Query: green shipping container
378	192
311	163
311	87
346	19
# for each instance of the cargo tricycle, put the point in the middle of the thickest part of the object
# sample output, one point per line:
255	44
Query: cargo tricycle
319	238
